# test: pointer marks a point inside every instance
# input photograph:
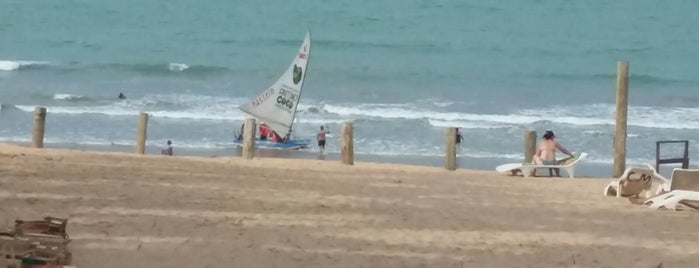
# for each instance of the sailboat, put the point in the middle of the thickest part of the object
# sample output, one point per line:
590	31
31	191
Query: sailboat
276	106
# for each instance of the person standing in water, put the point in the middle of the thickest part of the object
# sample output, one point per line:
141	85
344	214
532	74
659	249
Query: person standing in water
321	138
459	138
168	149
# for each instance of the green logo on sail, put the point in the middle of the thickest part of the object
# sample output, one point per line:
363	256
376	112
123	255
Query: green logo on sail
297	74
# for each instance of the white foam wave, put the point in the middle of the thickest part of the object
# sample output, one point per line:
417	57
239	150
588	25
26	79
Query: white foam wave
405	112
650	117
225	108
443	103
177	67
389	111
306	107
161	106
107	110
466	124
6	65
112	110
193	114
319	121
60	96
22	139
188	144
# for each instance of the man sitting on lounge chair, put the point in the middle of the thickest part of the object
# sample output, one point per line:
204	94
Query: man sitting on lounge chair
546	153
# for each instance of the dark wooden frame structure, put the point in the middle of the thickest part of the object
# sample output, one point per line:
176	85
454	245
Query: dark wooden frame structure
684	159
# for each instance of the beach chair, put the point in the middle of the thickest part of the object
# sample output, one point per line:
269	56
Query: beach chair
637	180
529	169
683	189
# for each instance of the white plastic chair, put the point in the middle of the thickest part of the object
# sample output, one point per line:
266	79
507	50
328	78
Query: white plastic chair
684	189
637	180
569	168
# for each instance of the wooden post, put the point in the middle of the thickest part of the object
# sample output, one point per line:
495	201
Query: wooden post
249	138
347	145
141	134
450	145
622	103
39	127
529	145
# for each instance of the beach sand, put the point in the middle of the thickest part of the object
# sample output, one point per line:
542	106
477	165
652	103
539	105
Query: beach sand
128	210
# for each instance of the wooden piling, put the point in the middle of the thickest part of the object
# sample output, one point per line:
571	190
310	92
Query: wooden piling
347	144
249	138
141	133
622	89
529	145
39	127
450	145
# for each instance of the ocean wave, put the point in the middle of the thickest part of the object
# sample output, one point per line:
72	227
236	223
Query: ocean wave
440	118
617	51
183	106
69	97
467	124
115	110
157	69
638	79
146	69
177	67
425	47
6	109
609	133
6	65
388	111
172	106
581	115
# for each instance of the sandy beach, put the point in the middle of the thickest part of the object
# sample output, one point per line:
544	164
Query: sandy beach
128	210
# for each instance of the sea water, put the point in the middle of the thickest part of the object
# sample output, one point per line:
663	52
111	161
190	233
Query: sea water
401	70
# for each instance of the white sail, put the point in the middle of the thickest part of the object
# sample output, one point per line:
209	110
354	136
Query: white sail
276	106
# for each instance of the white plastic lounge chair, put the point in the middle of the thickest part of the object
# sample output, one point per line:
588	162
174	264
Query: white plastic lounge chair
684	189
528	169
636	180
514	168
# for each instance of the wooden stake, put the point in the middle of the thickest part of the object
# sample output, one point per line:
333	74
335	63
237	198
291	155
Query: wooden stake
141	134
39	127
622	89
249	138
529	145
347	146
450	145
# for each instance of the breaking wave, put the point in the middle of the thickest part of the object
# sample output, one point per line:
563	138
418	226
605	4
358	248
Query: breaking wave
6	65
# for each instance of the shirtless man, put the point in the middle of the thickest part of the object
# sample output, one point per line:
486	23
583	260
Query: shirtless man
321	138
546	153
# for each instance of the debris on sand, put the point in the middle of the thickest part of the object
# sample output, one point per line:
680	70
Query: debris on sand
36	243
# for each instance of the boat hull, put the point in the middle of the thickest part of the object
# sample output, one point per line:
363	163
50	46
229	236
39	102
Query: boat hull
290	144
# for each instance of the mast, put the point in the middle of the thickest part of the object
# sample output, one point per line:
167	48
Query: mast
303	79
